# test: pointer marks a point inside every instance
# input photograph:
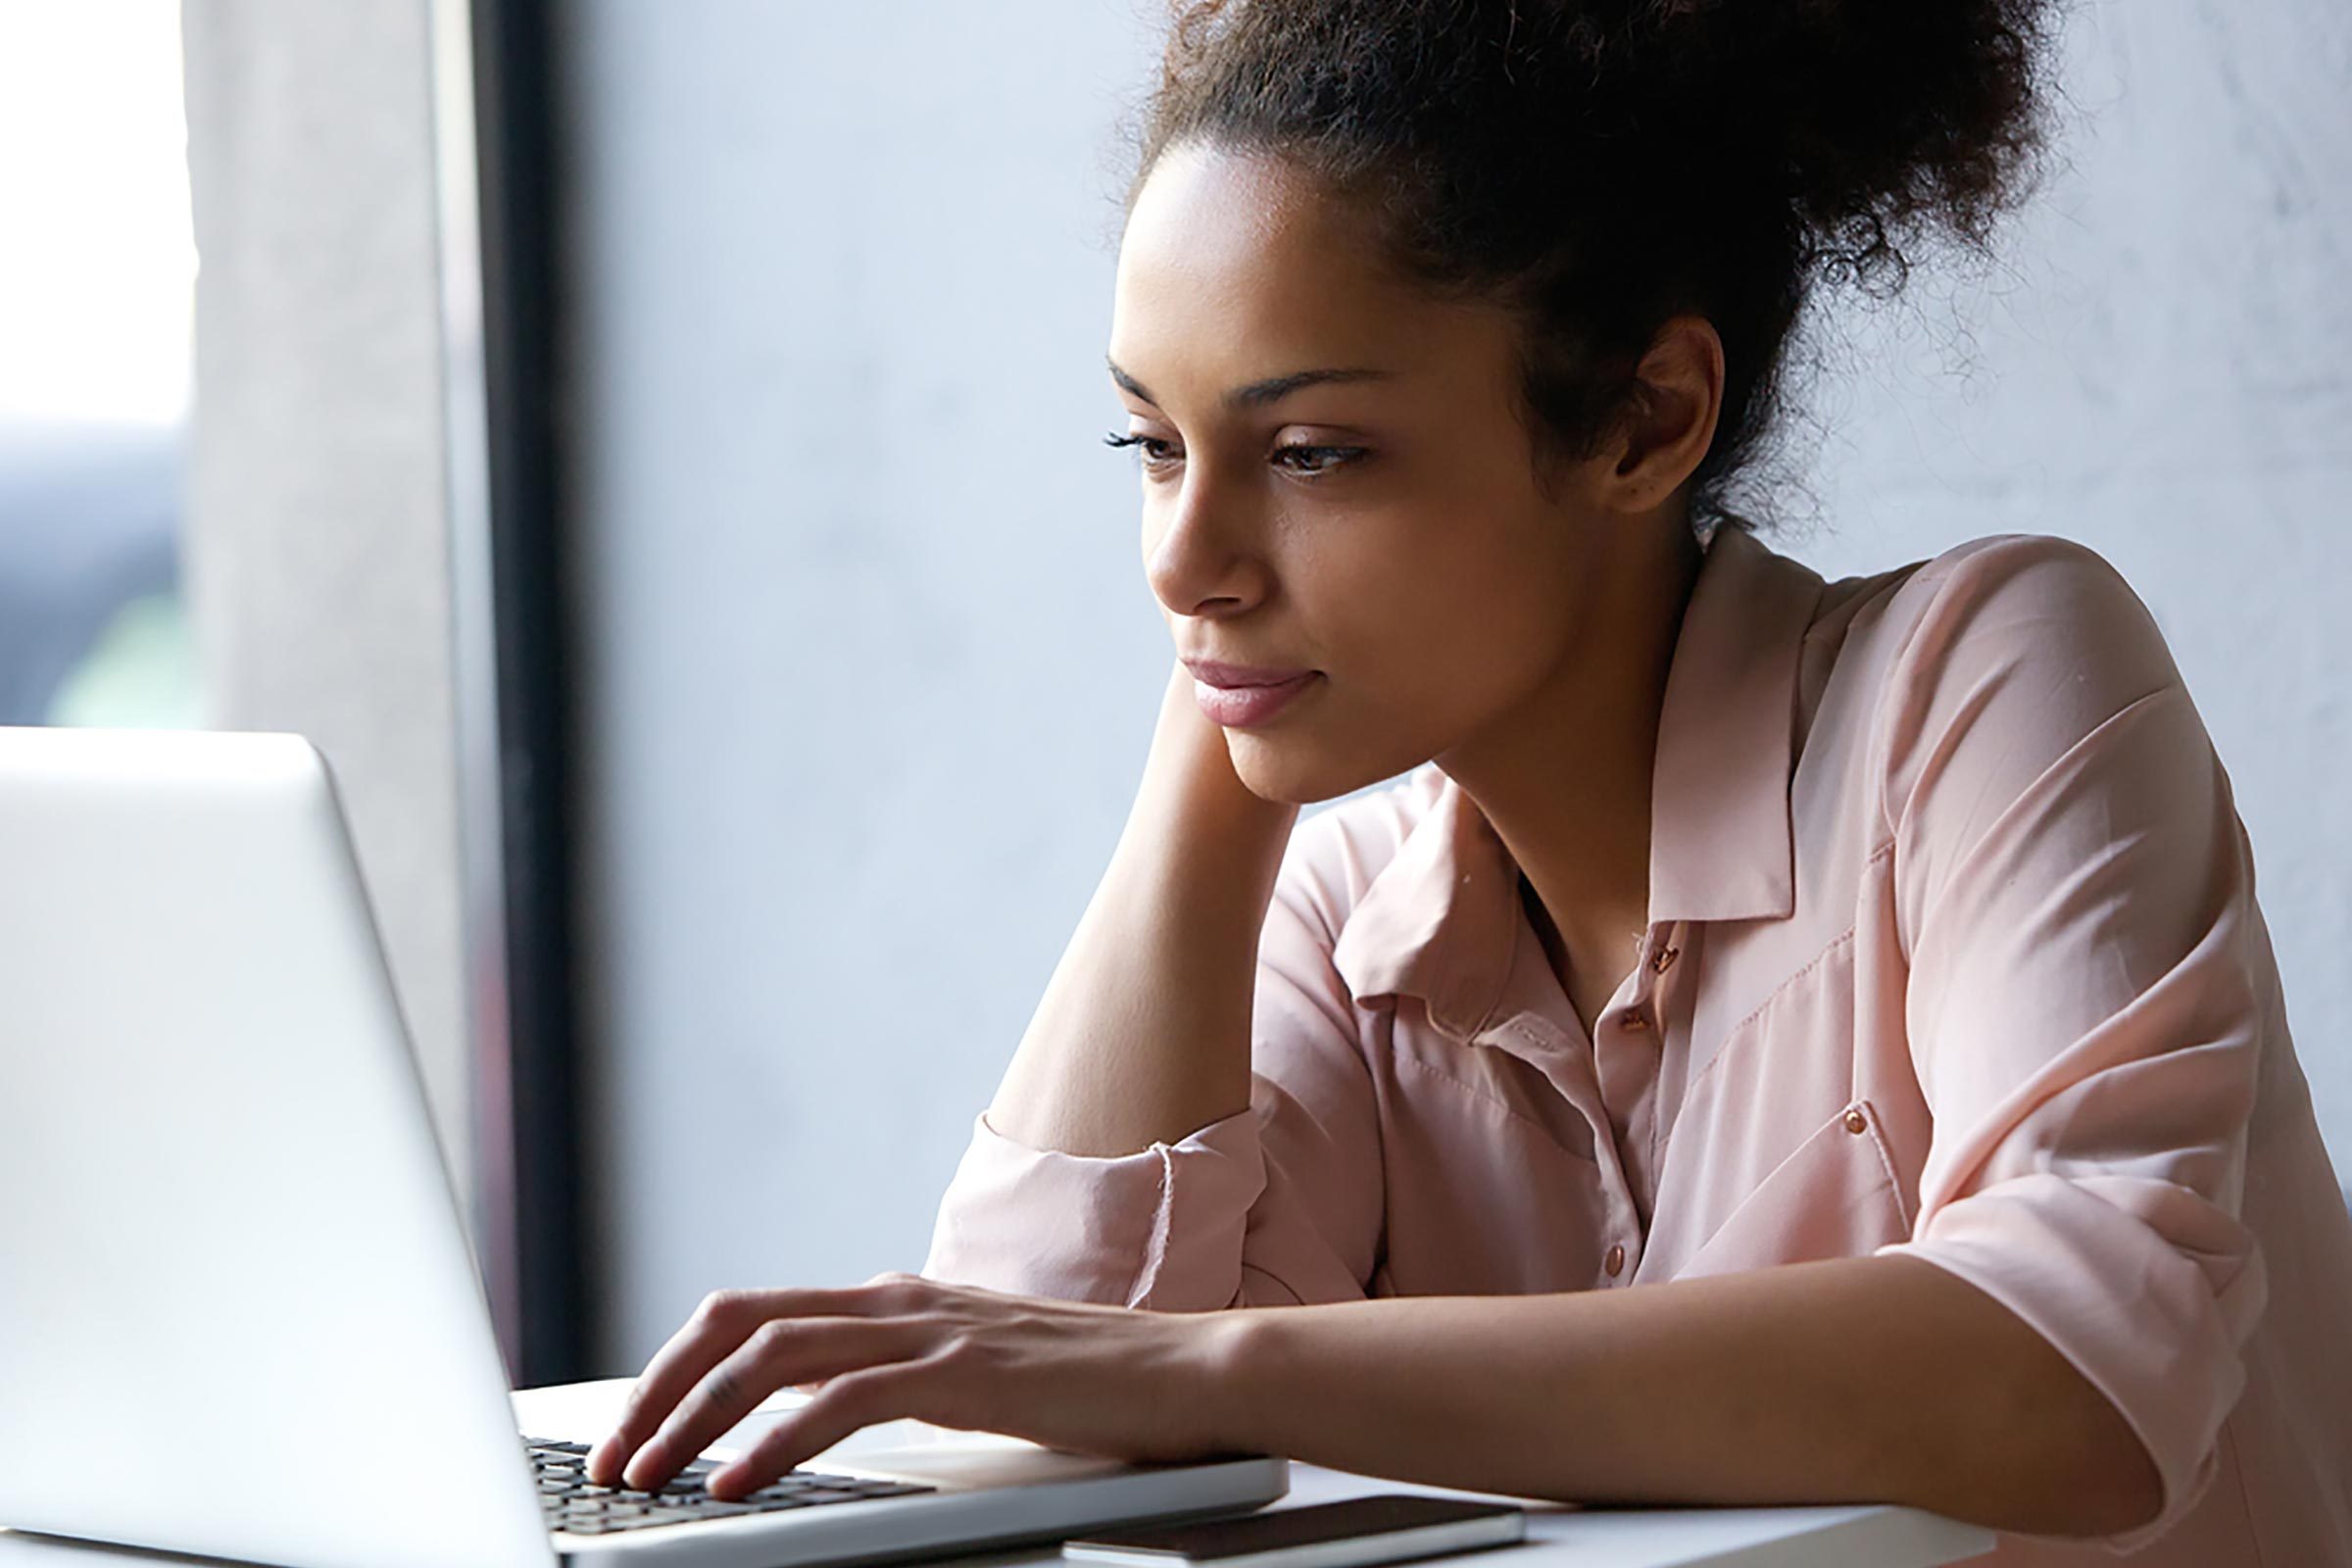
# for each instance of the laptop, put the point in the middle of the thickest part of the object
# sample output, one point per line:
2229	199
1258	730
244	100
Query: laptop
239	1316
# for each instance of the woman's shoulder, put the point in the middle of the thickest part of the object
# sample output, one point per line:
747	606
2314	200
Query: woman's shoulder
2046	579
2023	610
1979	669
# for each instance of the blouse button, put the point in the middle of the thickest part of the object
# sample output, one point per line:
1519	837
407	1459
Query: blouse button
1855	1121
1615	1262
1663	959
1637	1020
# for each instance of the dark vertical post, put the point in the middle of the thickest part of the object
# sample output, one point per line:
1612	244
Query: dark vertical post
524	998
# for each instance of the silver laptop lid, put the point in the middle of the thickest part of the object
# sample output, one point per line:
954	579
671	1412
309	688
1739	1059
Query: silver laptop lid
235	1296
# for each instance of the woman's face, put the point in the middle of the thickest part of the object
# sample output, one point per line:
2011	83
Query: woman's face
1337	479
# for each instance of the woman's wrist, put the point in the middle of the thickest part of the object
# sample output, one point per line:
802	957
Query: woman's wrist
1225	1366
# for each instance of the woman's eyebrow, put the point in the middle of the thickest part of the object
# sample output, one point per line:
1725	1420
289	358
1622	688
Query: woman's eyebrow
1257	394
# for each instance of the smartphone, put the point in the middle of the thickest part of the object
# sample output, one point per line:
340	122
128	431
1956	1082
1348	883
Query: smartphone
1388	1527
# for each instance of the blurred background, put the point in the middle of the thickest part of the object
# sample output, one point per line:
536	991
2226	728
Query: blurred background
642	441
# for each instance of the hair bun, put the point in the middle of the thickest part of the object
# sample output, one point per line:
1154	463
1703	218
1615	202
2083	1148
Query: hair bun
1879	121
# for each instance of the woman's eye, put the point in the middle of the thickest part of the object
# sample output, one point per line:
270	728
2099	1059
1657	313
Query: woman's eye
1154	450
1317	459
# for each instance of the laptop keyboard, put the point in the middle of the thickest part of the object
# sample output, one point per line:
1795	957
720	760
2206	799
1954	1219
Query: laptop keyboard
572	1504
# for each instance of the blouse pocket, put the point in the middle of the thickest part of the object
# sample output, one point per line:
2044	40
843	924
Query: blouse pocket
1836	1196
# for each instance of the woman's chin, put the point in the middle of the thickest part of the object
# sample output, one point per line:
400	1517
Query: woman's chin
1293	769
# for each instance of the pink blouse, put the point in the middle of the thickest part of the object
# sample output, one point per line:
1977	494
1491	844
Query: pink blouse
1954	951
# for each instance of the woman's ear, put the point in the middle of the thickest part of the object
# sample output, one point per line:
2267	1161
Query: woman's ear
1669	422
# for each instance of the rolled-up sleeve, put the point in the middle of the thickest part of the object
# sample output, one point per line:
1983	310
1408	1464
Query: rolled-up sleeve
2075	894
1277	1205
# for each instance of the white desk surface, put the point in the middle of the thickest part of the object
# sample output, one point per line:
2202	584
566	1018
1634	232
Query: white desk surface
1558	1535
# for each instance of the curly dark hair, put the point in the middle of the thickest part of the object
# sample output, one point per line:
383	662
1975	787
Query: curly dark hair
1600	166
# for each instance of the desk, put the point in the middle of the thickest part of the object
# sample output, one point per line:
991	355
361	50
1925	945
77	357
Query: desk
1558	1535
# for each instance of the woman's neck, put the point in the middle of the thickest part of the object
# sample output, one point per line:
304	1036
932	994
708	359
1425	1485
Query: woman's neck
1565	779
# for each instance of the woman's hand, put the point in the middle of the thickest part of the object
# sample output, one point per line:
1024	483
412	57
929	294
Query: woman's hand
1102	1380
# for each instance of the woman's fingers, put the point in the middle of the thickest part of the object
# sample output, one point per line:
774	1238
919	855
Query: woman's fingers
683	1358
723	1320
848	1402
777	1352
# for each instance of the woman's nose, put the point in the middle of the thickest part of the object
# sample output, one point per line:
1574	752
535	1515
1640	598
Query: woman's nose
1201	555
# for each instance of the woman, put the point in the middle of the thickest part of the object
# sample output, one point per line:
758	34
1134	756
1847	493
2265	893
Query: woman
1869	970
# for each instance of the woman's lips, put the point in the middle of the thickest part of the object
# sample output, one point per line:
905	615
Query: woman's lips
1237	696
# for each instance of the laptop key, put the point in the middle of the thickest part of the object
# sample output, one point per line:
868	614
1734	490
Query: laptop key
589	1509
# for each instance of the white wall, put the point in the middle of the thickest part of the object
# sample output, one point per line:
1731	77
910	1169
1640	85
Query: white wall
872	664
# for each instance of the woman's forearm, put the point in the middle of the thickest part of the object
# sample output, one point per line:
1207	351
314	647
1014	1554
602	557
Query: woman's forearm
1142	1034
1875	1379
